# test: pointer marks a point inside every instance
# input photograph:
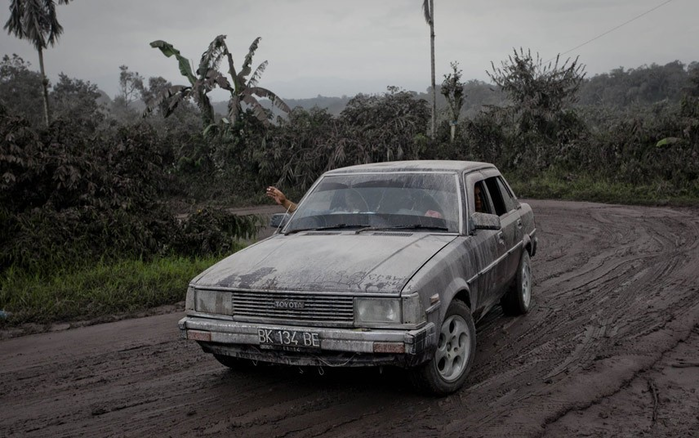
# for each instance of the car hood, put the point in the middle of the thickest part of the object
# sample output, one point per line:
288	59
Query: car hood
340	262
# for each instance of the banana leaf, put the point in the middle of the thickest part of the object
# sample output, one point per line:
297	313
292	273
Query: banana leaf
168	50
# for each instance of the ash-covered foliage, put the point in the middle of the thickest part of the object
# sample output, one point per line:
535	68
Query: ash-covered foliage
70	194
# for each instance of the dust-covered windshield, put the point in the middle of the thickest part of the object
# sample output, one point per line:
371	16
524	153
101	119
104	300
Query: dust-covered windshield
420	201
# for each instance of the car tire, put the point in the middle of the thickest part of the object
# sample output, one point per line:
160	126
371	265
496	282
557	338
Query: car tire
453	357
518	298
233	363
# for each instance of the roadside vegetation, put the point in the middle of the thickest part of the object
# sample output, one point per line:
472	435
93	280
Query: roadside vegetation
98	289
117	203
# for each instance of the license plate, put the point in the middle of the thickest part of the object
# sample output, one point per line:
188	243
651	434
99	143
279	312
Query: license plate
288	338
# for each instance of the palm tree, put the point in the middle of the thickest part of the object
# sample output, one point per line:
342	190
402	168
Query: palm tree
35	21
428	9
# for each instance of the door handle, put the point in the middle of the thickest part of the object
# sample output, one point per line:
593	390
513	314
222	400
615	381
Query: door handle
519	223
500	239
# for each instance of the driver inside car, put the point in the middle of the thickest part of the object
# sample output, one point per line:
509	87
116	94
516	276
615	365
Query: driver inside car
350	201
353	202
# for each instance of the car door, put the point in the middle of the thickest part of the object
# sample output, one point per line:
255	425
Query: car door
510	235
482	245
513	211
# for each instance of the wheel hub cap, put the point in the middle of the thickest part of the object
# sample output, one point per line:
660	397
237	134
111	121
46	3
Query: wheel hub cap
454	348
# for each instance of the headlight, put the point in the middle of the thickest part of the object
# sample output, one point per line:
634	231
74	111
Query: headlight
377	310
213	302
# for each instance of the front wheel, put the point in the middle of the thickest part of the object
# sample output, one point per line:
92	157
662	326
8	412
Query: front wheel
518	298
447	370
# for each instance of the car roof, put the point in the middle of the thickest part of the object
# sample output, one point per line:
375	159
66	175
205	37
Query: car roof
415	166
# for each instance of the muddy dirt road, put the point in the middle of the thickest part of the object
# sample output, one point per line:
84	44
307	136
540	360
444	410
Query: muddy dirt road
610	348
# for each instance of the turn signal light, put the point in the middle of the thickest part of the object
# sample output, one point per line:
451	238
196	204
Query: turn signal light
389	347
196	335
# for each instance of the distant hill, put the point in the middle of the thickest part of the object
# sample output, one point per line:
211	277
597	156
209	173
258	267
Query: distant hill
478	94
334	105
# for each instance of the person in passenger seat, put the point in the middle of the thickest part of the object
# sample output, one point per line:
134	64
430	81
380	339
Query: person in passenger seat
478	199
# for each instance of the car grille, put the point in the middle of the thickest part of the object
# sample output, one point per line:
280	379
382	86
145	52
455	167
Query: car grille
296	307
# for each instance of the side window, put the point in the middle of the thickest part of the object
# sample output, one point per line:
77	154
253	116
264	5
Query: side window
496	196
480	198
510	202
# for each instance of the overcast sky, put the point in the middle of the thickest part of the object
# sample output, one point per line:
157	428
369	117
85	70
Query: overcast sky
342	47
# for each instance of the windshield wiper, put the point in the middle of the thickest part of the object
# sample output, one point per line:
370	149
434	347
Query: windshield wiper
332	227
403	227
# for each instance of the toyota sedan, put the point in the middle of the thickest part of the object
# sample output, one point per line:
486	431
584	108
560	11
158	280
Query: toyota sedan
386	264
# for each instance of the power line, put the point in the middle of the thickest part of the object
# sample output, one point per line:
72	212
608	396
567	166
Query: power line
612	30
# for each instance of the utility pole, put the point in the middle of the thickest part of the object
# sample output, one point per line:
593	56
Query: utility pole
428	9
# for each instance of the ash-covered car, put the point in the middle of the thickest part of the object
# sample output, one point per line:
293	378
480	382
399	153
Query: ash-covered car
380	264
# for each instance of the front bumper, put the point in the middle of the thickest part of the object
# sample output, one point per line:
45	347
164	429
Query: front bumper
337	347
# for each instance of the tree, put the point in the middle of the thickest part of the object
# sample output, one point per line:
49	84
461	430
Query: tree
539	92
199	86
381	128
20	89
36	21
644	85
453	91
207	77
541	124
428	10
127	106
77	100
244	90
156	85
130	85
302	149
185	120
371	128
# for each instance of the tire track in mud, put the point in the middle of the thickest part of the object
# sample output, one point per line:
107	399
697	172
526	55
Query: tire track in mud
590	331
614	288
660	401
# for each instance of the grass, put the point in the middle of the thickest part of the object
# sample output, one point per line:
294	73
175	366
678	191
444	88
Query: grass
103	289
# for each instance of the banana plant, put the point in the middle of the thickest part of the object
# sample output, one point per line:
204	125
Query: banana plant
207	77
200	84
244	90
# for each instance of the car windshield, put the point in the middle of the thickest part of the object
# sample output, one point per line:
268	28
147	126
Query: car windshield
371	201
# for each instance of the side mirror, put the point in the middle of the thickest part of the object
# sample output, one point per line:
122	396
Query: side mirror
278	220
484	221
